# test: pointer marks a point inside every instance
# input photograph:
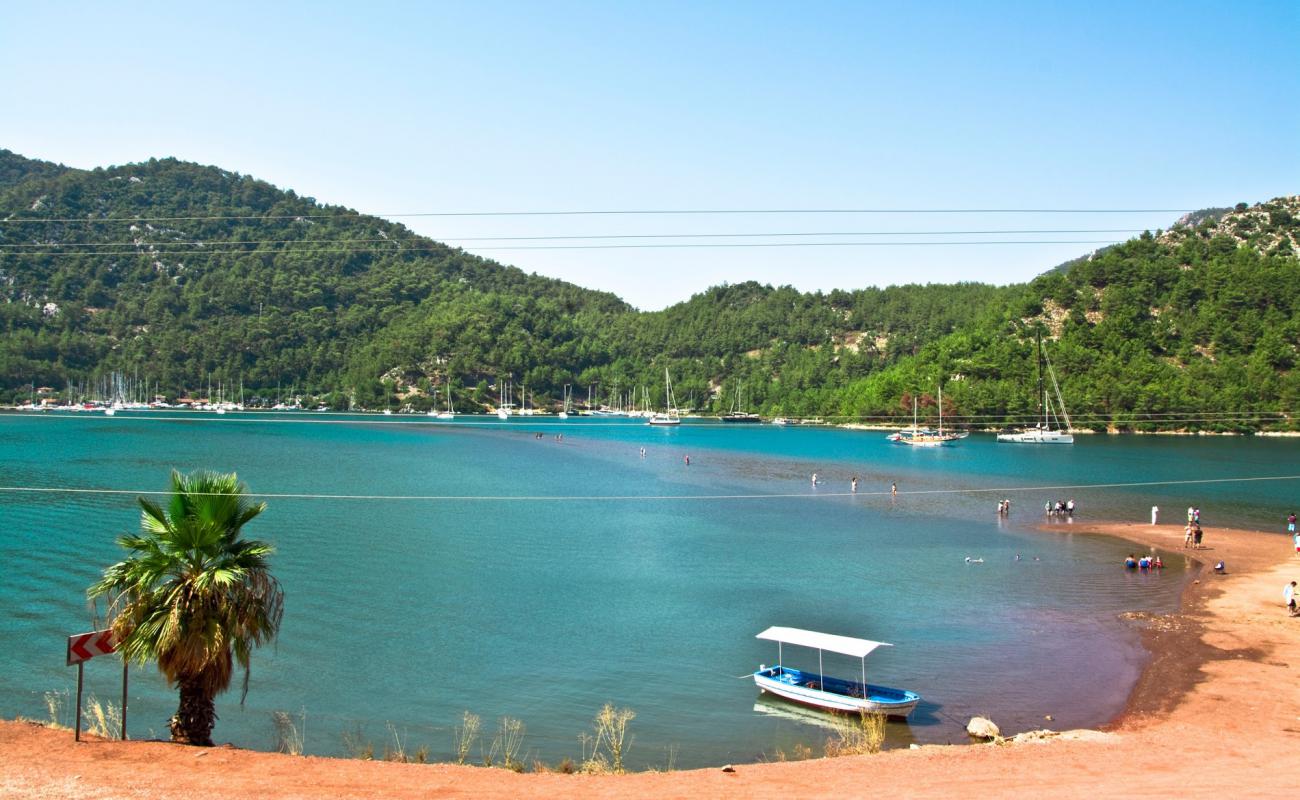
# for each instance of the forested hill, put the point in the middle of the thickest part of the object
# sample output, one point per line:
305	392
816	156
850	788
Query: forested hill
186	275
15	169
183	275
1194	328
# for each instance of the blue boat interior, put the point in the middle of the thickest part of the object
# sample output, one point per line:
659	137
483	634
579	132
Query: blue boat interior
828	683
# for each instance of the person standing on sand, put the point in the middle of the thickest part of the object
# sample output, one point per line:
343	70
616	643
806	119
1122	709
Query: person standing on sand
1297	542
1187	535
1288	597
893	490
1290	522
1155	511
1196	538
853	484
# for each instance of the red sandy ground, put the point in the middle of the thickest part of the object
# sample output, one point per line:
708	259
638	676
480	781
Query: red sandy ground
1217	713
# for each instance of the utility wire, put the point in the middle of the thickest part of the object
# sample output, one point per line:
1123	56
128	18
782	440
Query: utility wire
636	497
200	243
399	250
593	212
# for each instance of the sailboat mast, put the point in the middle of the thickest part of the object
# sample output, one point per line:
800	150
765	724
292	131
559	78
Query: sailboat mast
1042	391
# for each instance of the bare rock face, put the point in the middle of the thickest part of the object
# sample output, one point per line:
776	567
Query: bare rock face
983	728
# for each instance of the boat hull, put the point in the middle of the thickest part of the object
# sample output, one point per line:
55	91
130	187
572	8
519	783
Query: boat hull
834	694
1037	437
922	442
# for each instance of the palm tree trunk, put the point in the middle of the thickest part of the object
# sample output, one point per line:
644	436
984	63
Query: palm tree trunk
195	717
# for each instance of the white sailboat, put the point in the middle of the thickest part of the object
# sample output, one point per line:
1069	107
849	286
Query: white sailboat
525	410
670	415
505	407
568	401
450	413
1048	429
917	437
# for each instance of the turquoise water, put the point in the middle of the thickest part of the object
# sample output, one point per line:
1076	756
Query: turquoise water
405	613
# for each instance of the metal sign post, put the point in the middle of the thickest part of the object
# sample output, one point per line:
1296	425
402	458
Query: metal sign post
82	648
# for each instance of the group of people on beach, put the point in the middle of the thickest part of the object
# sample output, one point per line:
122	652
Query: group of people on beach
1144	562
1004	508
1061	508
1192	533
1289	592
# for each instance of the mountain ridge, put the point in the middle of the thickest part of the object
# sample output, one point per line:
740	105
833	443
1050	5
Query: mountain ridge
197	272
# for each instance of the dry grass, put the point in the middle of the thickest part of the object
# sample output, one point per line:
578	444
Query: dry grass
609	741
55	703
102	719
856	736
800	752
290	737
465	734
670	757
506	744
356	745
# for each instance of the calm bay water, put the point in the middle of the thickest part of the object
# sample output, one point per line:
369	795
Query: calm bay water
408	612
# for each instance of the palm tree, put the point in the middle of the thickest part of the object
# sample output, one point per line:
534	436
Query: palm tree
192	595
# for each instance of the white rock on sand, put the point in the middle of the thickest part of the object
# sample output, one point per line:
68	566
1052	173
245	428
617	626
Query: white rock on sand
983	728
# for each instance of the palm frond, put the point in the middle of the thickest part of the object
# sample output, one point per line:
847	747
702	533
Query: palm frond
192	594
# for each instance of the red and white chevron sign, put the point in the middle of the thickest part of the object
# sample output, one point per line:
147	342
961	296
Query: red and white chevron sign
85	646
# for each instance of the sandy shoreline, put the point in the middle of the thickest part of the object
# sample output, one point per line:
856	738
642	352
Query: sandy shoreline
1216	712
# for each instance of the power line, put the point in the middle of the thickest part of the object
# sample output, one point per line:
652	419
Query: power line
430	248
201	243
636	497
594	212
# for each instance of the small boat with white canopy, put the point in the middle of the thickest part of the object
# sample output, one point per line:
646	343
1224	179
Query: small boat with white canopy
823	691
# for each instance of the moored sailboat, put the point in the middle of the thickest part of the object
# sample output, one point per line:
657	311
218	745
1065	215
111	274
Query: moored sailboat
737	414
1048	429
670	416
920	437
450	413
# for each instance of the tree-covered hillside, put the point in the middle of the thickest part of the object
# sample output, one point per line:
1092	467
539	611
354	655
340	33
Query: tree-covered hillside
1195	328
187	276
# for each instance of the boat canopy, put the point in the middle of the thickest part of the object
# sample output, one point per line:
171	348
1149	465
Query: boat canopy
822	641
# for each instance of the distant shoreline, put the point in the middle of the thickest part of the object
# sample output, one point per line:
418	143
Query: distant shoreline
857	426
546	415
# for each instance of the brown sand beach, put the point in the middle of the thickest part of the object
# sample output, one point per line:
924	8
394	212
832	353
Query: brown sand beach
1215	713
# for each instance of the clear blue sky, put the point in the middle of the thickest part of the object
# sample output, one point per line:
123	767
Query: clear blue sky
409	107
